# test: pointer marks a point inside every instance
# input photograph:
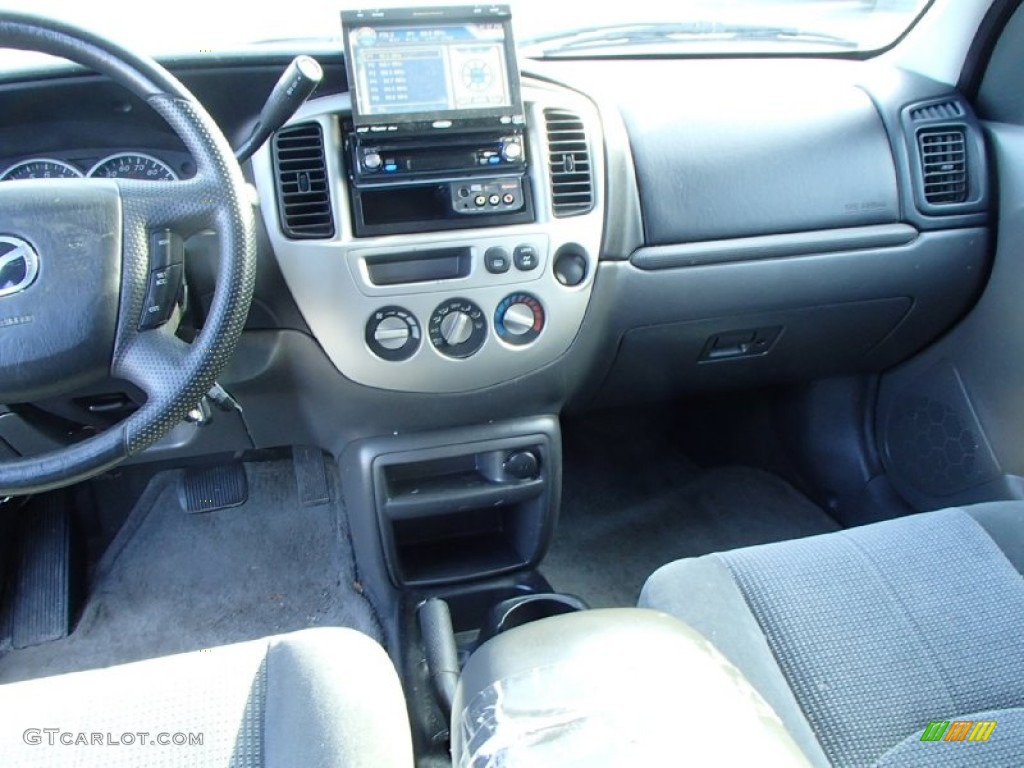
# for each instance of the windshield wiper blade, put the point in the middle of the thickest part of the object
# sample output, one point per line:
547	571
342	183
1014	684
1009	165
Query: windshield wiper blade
625	35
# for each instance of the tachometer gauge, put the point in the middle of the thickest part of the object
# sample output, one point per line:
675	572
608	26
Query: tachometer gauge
41	168
132	165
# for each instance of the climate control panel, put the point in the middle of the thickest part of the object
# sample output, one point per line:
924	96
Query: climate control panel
457	328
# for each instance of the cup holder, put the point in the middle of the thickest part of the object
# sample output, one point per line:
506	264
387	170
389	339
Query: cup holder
522	609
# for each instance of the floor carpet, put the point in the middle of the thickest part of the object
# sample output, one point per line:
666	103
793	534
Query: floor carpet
172	581
632	502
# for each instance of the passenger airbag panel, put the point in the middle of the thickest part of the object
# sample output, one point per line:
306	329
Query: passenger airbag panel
769	158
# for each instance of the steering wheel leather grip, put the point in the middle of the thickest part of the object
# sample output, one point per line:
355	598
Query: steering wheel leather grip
174	375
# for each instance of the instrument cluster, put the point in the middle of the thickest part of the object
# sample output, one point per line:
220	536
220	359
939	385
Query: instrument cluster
124	165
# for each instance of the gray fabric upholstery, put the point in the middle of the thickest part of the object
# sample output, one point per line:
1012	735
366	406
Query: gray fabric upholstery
712	604
876	630
319	697
1004	748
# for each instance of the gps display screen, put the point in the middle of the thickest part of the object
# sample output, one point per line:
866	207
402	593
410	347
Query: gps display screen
429	69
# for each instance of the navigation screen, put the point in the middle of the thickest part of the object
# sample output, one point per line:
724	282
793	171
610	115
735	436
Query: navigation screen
446	68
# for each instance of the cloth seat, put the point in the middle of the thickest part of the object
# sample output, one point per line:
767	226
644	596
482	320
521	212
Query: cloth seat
862	638
317	697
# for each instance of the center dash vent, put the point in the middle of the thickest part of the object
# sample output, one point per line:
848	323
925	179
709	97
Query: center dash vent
943	153
572	183
303	193
942	110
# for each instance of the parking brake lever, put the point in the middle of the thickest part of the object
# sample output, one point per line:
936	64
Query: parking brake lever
298	81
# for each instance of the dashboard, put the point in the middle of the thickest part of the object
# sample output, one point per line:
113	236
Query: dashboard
770	222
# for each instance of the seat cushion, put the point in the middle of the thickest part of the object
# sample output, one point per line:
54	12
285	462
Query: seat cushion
319	697
858	639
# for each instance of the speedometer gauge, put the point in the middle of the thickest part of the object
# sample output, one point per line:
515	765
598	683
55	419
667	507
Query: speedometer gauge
41	168
132	165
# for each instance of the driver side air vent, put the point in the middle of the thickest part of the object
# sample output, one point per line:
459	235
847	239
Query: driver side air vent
303	192
943	153
572	184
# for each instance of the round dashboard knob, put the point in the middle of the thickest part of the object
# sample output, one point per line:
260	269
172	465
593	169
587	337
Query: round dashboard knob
513	150
519	319
372	161
393	334
456	328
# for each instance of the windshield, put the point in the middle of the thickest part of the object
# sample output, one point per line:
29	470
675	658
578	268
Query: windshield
543	28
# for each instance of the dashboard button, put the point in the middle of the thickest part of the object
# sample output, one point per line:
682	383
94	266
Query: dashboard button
161	295
165	248
525	257
497	260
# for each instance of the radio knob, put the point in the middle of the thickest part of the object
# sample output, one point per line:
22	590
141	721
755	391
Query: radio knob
518	319
372	161
512	151
391	333
456	328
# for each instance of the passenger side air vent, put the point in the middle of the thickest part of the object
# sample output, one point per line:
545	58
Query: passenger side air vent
943	110
303	192
572	183
943	153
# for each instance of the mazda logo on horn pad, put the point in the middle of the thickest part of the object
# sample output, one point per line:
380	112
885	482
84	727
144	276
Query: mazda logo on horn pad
19	265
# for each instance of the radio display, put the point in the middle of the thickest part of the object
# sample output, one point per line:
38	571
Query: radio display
444	64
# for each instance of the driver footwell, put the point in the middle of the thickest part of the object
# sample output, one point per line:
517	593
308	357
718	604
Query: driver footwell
172	581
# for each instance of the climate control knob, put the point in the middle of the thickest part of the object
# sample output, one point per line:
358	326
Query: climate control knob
392	333
519	319
457	328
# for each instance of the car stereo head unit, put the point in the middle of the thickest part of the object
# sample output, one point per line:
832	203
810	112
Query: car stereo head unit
426	69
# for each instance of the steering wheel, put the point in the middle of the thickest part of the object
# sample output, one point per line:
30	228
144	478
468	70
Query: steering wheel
77	257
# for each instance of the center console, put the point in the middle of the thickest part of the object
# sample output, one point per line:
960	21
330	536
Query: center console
439	226
439	223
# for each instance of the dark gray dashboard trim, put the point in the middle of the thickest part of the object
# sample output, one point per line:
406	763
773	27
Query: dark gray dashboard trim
623	226
773	246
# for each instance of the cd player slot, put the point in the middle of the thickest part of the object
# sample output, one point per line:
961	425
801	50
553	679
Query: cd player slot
419	267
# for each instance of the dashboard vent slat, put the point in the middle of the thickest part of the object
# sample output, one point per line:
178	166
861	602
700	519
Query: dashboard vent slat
944	110
943	153
572	182
303	191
